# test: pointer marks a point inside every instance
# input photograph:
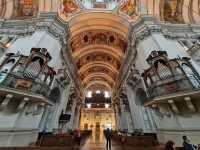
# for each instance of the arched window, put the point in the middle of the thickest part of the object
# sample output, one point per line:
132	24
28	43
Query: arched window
190	74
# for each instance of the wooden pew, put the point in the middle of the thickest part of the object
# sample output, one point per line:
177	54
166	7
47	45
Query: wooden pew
56	140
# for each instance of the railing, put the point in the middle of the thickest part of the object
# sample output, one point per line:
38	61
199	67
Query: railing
172	85
17	81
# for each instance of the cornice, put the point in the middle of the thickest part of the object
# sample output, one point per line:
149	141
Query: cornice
49	22
146	25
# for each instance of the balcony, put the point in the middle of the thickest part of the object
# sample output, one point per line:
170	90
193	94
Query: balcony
26	79
170	81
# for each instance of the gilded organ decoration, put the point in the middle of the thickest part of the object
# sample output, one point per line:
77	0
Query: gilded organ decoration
167	76
30	74
98	37
173	11
129	8
26	8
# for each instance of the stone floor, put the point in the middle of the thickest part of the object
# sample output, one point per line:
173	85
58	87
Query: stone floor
98	142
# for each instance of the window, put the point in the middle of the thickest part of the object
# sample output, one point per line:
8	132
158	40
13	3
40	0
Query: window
106	94
190	74
89	94
98	92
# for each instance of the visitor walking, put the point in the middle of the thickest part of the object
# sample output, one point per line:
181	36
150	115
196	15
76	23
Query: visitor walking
170	145
78	136
108	138
187	145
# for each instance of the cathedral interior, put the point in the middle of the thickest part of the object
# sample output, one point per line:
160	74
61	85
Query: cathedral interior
83	66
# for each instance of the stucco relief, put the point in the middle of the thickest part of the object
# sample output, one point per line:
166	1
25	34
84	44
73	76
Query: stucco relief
98	37
26	8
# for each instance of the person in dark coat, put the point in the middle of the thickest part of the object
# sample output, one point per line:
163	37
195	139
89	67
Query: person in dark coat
108	138
170	145
187	145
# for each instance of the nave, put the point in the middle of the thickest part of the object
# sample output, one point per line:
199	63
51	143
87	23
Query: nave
93	141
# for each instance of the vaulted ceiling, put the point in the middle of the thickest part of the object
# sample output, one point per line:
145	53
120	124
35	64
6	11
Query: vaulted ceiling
98	42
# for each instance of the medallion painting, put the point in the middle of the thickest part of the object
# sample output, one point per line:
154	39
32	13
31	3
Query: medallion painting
172	11
69	6
129	8
26	8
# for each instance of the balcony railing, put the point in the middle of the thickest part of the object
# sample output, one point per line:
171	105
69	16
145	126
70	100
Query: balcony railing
166	77
172	85
17	81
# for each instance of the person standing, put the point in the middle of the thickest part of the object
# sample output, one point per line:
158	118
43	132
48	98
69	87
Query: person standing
108	134
187	145
78	136
170	145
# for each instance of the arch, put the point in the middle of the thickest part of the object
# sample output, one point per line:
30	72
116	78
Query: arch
98	20
98	64
103	75
100	83
97	48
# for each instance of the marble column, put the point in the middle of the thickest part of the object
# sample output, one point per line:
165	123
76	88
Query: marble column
124	123
70	125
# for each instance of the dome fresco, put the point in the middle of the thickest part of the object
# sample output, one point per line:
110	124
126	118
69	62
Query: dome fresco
100	4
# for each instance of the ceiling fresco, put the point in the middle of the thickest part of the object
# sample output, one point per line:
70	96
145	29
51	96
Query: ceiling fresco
99	57
26	8
129	8
100	4
68	7
173	11
100	37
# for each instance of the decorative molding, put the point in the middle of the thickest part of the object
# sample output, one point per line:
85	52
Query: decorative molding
134	78
22	103
173	106
147	24
190	104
